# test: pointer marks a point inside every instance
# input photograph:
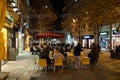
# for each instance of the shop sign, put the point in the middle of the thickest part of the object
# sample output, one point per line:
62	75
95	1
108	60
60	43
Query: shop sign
88	37
104	33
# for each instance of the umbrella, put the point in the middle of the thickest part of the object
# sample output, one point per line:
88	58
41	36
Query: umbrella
49	34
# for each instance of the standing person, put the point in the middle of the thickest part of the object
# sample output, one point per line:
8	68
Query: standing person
77	51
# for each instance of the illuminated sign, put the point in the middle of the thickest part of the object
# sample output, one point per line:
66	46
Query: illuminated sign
86	37
104	33
115	32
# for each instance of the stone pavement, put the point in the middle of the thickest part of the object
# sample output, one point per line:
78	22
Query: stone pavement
23	69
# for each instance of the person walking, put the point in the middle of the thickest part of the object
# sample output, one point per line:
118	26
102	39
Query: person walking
77	51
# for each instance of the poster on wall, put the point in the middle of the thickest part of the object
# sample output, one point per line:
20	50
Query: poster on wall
104	42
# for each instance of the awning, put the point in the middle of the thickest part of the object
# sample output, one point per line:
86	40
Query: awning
50	35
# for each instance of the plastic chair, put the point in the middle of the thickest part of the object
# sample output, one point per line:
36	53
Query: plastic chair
43	63
58	62
70	57
35	62
82	56
85	62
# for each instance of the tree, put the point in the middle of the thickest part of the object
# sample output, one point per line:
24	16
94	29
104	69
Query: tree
42	14
95	12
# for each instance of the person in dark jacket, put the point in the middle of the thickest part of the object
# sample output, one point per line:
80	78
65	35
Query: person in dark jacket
77	51
117	49
44	54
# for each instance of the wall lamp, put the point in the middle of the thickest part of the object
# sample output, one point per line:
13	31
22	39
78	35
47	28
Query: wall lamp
14	9
13	3
13	6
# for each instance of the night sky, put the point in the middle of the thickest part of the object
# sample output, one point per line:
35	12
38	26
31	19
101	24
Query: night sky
58	5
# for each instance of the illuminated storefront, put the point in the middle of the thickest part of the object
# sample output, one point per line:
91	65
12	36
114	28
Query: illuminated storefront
115	36
105	41
87	40
104	38
68	38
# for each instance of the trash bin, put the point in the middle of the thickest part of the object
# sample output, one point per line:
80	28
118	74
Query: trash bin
11	54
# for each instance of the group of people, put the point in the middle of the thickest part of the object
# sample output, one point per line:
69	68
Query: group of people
51	52
59	51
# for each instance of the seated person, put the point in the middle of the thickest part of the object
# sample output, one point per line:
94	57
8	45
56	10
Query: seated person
44	54
57	54
63	51
32	50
